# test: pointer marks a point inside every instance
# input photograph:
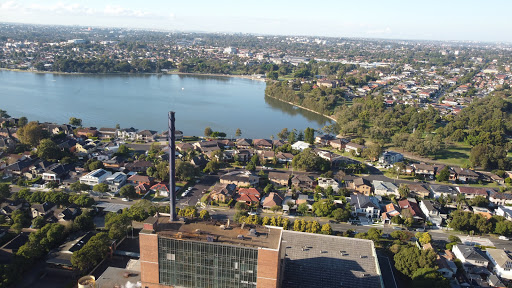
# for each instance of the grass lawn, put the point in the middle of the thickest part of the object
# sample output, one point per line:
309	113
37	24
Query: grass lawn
456	154
393	176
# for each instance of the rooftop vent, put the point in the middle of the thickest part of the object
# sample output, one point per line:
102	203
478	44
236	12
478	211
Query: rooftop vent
240	237
253	232
198	231
209	238
222	227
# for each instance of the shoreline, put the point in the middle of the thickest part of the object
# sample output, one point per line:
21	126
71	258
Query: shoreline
307	109
248	77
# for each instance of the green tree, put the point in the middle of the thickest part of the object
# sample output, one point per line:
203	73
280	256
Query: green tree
208	131
83	222
309	160
92	252
341	215
22	121
38	222
75	121
117	224
283	135
94	165
128	191
238	132
425	238
443	175
123	150
309	135
404	190
102	187
292	136
410	259
428	278
400	235
78	187
323	208
212	167
397	220
480	201
326	229
5	191
204	214
275	208
31	134
303	208
185	171
3	114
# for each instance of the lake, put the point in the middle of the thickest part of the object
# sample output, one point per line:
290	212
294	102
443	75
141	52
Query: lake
142	101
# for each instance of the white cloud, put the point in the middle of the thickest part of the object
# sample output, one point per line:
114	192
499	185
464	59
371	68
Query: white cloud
118	11
10	6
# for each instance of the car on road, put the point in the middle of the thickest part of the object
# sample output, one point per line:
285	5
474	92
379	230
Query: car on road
503	238
253	213
185	193
420	230
398	228
125	199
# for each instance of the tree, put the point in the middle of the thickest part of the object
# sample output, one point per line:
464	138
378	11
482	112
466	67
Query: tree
303	208
241	206
78	187
397	220
92	252
38	222
425	238
275	208
443	175
208	131
212	167
204	214
94	165
341	215
3	114
283	135
400	235
309	135
404	190
83	201
117	224
480	201
75	121
326	229
31	134
22	121
102	187
123	150
5	191
428	278
84	222
409	259
372	152
292	136
128	191
309	160
323	208
238	132
185	171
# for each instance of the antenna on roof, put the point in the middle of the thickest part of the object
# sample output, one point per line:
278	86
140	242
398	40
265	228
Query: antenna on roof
172	168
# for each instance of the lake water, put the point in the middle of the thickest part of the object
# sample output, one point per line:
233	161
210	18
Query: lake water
142	101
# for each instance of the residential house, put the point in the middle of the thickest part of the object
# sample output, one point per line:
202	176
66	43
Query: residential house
222	192
138	166
107	133
390	211
385	188
161	189
127	133
482	211
465	175
114	163
272	199
357	148
443	190
244	143
248	195
505	212
300	145
338	144
390	158
183	147
360	185
419	190
199	161
446	266
289	203
279	179
85	148
323	140
207	146
56	173
413	207
262	144
42	209
18	168
267	155
239	178
329	182
305	198
494	281
501	262
284	157
116	181
472	192
243	155
67	214
140	179
363	206
146	135
431	212
95	177
8	208
303	182
87	132
498	198
425	170
469	256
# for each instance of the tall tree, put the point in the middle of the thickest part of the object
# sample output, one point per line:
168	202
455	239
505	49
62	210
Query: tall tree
309	135
128	191
75	121
48	150
31	134
238	132
208	131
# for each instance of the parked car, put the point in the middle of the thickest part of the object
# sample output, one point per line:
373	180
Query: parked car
420	230
503	238
125	199
398	228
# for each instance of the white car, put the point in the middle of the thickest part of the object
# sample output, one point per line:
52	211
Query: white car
125	199
185	193
503	238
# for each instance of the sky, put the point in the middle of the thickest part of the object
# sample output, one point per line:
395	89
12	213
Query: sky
392	19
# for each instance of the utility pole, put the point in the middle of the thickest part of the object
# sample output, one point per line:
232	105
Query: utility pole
172	168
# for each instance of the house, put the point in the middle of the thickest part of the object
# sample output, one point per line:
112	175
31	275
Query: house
67	214
443	190
146	135
472	192
501	262
85	148
222	192
114	163
305	198
278	143
206	146
498	198
182	147
469	256
431	212
323	139
288	202
390	158
357	148
199	161
161	189
385	188
107	133
273	199
419	190
56	173
425	170
248	195
7	208
360	185
505	212
328	182
116	181
18	168
140	179
300	146
267	155
447	267
239	178
494	281
284	157
279	179
337	144
87	132
482	211
413	207
95	177
465	175
244	143
243	155
390	211
363	206
138	166
127	133
303	182
262	144
42	209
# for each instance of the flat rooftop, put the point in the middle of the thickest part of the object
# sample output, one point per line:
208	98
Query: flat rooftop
210	231
118	277
329	261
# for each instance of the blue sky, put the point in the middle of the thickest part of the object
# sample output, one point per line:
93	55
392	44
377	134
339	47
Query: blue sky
431	20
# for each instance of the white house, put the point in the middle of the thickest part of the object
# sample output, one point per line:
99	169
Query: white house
505	212
300	145
431	212
499	198
116	181
363	205
385	188
390	158
95	177
469	256
328	182
501	262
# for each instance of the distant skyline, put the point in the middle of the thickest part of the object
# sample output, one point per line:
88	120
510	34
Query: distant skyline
392	19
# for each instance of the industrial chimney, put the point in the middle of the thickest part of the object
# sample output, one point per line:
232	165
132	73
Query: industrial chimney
172	168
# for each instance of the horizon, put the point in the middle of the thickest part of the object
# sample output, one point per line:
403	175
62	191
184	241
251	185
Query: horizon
394	20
